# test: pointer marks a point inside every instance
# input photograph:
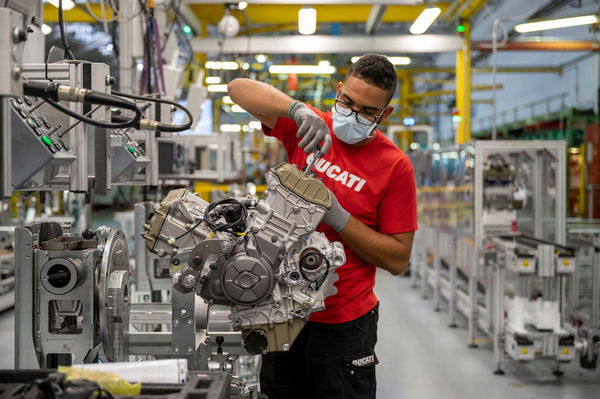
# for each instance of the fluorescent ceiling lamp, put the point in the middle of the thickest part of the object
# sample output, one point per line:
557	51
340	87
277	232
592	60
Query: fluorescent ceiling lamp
255	125
217	88
237	109
393	60
302	69
556	23
324	63
231	128
261	58
228	65
67	4
424	21
307	20
227	100
213	80
46	29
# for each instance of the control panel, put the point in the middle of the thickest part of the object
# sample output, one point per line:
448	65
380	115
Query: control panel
39	153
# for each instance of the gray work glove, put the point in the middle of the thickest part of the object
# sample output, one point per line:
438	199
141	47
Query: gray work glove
337	217
311	129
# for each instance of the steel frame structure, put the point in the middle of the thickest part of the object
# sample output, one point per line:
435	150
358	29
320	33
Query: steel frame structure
449	261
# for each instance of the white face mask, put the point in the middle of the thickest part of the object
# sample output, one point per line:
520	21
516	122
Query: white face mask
348	130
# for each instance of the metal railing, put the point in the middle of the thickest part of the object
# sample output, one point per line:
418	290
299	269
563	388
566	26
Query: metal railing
526	112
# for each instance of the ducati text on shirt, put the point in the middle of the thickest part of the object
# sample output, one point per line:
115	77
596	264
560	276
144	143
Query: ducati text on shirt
337	174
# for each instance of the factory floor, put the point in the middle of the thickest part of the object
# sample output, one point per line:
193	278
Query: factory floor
421	358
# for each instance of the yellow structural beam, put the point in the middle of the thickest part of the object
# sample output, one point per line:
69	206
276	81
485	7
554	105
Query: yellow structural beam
463	9
472	9
75	14
406	91
326	13
463	87
270	28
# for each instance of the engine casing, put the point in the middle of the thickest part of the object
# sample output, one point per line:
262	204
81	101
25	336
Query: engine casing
273	271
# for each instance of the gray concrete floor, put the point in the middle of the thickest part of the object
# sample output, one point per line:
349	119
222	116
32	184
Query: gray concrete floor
421	358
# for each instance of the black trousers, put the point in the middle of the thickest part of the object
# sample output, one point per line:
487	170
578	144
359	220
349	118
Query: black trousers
326	361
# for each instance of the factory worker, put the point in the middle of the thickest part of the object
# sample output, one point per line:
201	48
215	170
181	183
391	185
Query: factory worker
374	216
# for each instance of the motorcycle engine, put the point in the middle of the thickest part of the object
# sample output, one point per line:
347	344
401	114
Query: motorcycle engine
263	258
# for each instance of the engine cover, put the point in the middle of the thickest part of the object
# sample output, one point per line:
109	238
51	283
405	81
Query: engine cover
263	259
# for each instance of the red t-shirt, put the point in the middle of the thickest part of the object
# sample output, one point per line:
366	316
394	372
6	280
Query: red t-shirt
376	184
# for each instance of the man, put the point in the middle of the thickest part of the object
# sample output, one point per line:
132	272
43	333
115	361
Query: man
374	216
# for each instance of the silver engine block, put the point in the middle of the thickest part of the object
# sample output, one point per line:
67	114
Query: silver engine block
262	259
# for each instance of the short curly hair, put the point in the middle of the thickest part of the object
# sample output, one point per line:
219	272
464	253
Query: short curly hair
376	70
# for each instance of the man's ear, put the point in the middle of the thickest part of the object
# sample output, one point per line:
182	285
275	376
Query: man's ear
339	87
386	113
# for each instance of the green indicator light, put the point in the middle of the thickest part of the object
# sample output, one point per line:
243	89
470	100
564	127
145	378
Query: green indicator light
456	118
186	29
460	28
131	150
47	141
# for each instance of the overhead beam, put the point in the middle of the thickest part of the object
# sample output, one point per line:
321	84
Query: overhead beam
374	19
482	70
470	9
439	93
326	13
312	2
324	44
186	12
75	14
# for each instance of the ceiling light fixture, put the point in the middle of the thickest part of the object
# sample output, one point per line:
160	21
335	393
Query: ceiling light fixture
261	58
213	80
228	65
556	23
424	20
227	100
46	29
231	128
217	88
242	5
307	20
254	125
67	4
302	69
237	109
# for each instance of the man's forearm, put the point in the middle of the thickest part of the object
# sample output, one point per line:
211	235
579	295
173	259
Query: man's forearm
259	99
381	250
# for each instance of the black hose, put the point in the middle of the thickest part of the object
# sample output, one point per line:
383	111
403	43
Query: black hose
226	226
163	127
107	125
63	36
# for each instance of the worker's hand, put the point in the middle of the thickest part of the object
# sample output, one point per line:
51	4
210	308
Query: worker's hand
336	217
311	129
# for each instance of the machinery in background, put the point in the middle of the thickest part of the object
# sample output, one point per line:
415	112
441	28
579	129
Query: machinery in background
493	243
582	309
262	259
215	157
